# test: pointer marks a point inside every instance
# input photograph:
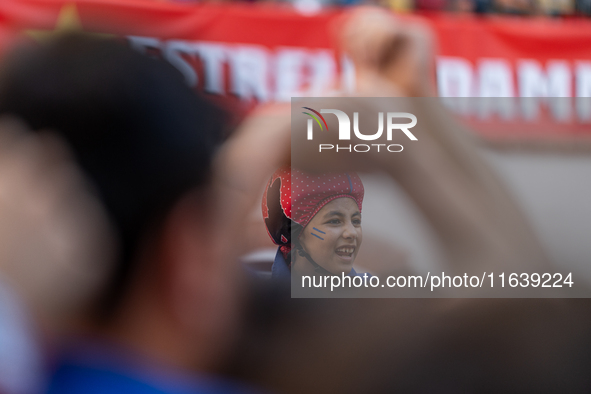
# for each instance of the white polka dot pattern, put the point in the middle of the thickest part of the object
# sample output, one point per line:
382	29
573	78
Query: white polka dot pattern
301	201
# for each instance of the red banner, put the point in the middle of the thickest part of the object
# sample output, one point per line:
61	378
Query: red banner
250	54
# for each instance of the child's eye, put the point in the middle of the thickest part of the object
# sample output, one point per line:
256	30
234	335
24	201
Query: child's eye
356	222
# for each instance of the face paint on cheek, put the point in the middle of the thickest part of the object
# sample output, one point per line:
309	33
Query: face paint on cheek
320	231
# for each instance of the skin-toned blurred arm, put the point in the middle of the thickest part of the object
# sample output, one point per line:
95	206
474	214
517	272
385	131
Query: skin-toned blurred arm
469	208
245	163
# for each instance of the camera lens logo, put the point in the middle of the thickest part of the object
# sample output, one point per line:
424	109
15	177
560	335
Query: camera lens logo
316	119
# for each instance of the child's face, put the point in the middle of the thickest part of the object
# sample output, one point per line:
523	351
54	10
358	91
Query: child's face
333	236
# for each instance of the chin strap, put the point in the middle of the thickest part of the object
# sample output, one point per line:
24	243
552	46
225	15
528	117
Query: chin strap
317	268
295	237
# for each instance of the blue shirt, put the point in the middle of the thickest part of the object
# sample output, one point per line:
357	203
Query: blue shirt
93	368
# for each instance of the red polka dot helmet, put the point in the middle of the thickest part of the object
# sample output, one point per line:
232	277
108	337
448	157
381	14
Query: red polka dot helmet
293	197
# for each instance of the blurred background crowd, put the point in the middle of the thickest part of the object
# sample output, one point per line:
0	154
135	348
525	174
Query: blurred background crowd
549	8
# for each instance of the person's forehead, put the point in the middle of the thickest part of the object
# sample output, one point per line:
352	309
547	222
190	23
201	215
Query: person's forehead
344	205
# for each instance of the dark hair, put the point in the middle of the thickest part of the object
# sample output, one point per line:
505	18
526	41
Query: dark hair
141	135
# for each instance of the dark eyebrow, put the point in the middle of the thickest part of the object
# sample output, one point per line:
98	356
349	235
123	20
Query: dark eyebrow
332	213
339	213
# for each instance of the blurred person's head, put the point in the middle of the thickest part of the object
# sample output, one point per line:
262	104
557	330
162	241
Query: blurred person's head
319	216
145	141
463	6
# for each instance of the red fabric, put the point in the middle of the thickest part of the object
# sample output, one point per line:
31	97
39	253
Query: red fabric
178	30
312	192
466	36
302	195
